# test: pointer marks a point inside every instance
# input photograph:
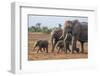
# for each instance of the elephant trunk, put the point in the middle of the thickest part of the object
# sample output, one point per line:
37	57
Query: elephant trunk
73	44
52	43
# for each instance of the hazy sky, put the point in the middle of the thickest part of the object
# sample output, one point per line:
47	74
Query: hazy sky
52	21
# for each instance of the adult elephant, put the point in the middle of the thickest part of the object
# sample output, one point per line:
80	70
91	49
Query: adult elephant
55	37
79	31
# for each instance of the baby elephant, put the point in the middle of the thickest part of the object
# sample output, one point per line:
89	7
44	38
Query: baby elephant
41	44
60	45
63	45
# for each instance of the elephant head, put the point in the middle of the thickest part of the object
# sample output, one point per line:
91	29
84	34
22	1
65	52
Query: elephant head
36	44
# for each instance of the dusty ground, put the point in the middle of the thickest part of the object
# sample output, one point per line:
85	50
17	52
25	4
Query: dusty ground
32	55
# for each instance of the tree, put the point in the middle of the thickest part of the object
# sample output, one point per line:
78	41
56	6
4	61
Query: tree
60	25
33	28
38	27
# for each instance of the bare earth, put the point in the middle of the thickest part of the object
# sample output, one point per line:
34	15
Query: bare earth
32	54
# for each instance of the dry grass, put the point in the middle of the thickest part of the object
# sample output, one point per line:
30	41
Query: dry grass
32	55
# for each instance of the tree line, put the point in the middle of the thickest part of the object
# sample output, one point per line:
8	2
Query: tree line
43	29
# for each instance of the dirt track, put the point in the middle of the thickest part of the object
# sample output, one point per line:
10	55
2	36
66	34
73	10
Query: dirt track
32	55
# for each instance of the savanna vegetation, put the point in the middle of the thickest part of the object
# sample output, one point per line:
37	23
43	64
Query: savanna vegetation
43	29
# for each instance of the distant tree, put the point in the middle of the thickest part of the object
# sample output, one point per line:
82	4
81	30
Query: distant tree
59	25
29	29
38	27
33	28
46	30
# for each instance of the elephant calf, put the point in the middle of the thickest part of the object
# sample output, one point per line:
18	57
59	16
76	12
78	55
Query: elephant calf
60	45
63	45
41	44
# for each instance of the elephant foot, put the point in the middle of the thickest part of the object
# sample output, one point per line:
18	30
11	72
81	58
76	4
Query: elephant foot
69	50
77	50
65	51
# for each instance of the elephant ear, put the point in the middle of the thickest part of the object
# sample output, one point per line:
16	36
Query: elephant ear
76	27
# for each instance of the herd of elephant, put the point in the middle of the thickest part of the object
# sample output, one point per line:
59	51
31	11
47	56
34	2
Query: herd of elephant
61	39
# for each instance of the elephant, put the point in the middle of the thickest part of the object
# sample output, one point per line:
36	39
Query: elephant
41	44
65	43
60	45
55	37
79	31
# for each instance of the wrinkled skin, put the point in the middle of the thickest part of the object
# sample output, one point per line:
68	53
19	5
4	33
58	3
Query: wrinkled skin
79	31
41	44
55	37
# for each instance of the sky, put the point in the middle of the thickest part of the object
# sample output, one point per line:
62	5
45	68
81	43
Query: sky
52	21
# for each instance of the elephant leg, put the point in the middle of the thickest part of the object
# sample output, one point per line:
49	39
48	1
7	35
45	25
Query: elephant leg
82	47
58	50
47	50
38	50
43	49
77	50
66	51
52	42
65	48
53	46
69	49
73	44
